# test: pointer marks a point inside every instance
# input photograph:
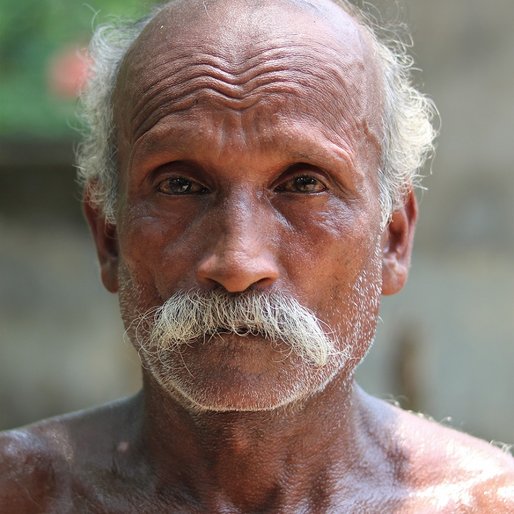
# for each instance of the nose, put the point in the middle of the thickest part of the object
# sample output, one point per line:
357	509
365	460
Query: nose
240	256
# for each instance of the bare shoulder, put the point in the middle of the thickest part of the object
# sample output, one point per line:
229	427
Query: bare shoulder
28	472
455	469
40	463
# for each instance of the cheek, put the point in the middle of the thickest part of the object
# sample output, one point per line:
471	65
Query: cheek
140	243
328	250
156	250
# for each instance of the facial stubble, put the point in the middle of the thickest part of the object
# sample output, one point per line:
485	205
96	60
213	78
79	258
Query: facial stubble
312	351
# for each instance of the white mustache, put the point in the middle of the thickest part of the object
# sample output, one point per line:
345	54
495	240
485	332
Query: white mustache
192	315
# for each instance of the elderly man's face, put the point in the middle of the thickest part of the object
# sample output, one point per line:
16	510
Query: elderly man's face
248	148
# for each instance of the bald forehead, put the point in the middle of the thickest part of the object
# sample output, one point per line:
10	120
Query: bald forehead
298	55
235	26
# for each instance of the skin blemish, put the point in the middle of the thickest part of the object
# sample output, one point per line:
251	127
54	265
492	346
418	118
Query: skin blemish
122	447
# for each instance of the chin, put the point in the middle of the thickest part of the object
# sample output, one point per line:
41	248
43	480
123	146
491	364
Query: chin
199	384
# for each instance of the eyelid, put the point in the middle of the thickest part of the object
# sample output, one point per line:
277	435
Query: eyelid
176	169
283	187
303	170
195	184
159	179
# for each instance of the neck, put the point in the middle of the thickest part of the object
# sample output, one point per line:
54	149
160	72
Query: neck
248	460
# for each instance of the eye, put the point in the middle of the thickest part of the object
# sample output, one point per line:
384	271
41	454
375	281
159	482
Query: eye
302	184
181	186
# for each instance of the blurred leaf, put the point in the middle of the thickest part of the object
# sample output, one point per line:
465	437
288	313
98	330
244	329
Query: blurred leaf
31	33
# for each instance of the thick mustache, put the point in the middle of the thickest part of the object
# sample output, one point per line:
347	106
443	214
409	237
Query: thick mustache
191	315
239	331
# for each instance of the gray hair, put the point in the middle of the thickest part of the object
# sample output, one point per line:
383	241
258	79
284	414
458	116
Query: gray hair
408	132
190	315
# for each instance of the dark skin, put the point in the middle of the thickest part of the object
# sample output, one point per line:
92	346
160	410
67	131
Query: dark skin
243	167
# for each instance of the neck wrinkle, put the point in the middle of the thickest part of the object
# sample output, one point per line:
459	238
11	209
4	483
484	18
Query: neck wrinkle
254	460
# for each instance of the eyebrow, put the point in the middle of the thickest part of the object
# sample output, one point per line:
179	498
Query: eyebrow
156	146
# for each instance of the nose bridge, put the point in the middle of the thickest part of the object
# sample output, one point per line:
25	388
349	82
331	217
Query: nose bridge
239	215
239	253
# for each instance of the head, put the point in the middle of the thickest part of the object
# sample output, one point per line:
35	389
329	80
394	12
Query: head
250	191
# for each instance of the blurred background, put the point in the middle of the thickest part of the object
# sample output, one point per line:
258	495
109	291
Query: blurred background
445	345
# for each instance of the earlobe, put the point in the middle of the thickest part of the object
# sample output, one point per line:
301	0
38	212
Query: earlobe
105	237
397	241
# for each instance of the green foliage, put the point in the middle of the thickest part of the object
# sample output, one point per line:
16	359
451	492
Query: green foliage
31	33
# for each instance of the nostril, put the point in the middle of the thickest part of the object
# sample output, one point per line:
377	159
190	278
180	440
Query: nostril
238	273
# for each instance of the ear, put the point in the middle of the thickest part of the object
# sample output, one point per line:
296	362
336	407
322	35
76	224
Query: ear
105	237
397	241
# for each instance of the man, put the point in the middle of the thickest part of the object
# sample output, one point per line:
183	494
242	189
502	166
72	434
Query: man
249	187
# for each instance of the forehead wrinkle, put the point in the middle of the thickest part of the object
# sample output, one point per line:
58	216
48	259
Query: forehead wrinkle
271	86
275	94
234	53
270	47
236	73
286	70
